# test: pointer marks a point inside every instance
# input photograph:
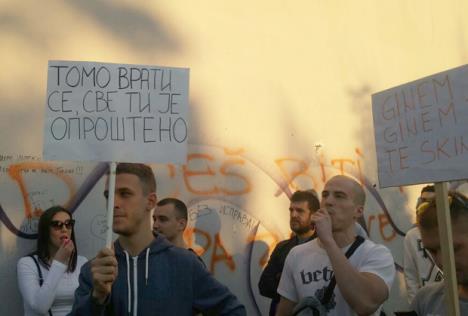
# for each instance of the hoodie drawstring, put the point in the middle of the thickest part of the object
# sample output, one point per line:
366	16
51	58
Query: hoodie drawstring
135	262
146	265
127	257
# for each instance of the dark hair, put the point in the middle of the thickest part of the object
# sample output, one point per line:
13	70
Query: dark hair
179	206
427	214
142	171
43	237
428	188
310	196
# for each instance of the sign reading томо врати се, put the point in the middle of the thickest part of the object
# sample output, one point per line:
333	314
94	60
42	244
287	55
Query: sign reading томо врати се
116	112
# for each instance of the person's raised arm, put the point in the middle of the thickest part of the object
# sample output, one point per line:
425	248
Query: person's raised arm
363	291
95	284
41	298
104	273
285	307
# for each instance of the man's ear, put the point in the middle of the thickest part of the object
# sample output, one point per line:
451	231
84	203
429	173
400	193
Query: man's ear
359	211
182	223
152	200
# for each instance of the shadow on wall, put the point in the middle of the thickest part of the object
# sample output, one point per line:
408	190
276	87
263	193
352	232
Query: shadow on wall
360	102
219	241
11	23
131	24
20	138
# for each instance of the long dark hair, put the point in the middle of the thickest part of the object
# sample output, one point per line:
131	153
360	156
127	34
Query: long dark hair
43	237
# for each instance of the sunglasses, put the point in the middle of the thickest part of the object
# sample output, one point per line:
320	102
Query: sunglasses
58	225
453	198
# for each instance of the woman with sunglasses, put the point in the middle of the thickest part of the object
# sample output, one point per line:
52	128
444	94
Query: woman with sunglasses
48	277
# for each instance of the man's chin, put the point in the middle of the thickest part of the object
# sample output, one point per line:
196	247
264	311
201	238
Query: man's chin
294	226
158	233
118	229
300	231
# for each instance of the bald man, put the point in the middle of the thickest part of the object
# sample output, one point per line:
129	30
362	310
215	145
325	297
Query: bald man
363	281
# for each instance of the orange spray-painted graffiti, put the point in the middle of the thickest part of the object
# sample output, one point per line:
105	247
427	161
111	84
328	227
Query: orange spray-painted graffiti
209	177
218	254
295	169
383	223
206	174
270	239
16	173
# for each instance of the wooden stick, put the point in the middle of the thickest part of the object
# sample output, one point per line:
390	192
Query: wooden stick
110	204
446	245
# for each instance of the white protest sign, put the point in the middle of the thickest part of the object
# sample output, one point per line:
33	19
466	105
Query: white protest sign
421	130
116	112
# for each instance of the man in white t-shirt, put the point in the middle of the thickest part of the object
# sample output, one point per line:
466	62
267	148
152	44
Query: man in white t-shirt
430	299
362	283
418	266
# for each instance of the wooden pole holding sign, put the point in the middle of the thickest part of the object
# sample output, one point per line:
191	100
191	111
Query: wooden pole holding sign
110	204
446	245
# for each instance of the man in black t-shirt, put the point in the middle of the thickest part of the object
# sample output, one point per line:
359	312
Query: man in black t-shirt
303	204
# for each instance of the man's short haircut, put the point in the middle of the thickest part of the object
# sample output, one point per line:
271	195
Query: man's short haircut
359	194
427	213
359	197
142	171
310	196
179	206
428	188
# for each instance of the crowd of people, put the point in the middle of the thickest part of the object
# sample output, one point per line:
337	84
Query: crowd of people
329	265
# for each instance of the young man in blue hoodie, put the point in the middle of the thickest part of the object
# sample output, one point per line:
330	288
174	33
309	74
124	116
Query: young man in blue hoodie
146	275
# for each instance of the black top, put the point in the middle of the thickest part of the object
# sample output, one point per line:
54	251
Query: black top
270	278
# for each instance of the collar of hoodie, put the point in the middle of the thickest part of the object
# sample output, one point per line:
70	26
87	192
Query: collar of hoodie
135	283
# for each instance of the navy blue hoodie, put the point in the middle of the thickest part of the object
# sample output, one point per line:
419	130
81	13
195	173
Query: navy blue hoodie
162	280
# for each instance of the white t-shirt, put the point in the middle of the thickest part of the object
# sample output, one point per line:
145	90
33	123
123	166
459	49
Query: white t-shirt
419	267
57	291
308	271
430	301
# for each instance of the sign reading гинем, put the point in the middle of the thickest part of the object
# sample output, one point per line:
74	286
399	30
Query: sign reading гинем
421	130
